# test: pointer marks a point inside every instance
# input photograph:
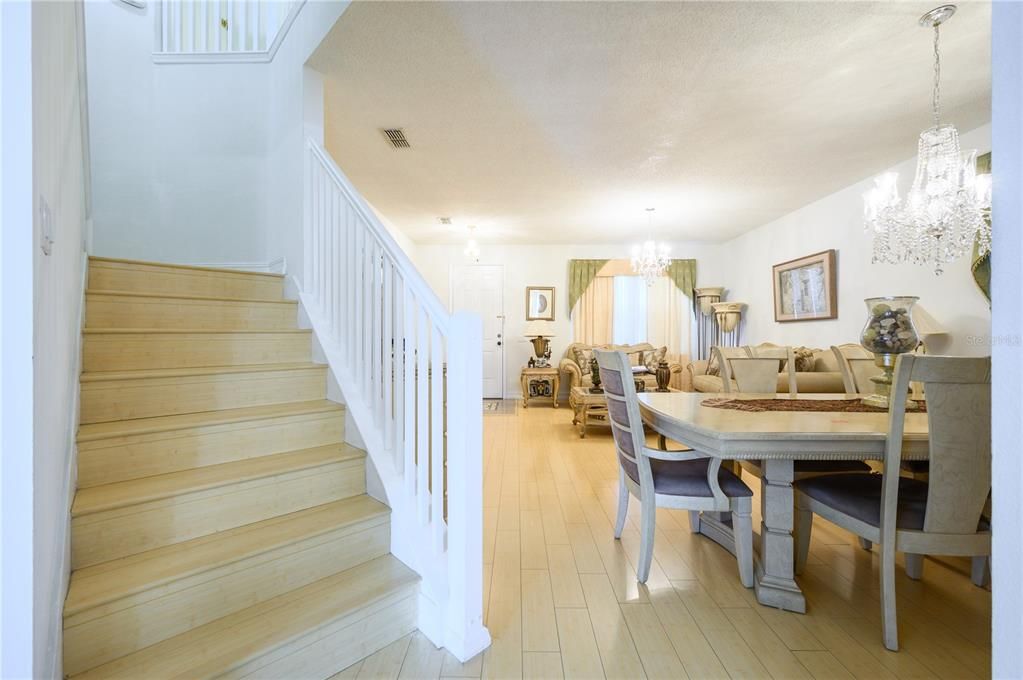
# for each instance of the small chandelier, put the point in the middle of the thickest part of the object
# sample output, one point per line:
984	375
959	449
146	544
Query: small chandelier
948	207
472	248
650	259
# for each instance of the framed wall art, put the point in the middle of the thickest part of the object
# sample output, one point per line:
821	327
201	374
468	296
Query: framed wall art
806	289
540	303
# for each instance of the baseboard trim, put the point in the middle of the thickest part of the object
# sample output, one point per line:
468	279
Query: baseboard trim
275	266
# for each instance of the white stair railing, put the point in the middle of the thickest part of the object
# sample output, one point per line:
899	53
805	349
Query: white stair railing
411	376
219	30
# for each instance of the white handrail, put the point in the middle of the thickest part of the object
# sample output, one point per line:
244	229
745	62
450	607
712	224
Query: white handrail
411	376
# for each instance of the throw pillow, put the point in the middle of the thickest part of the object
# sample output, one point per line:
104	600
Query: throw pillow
804	359
583	355
654	358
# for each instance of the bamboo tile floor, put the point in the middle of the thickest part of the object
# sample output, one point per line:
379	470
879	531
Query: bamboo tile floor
561	597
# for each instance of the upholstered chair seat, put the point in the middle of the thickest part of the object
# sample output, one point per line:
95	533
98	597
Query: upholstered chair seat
689	478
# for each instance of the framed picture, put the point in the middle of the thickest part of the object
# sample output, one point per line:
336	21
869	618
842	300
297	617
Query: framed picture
806	289
540	303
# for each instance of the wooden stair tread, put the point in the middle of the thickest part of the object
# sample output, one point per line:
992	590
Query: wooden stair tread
110	581
120	494
123	428
196	331
187	267
142	373
219	646
181	296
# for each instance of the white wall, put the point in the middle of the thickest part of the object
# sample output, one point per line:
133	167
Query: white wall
296	111
16	208
179	152
538	265
836	221
1007	374
59	180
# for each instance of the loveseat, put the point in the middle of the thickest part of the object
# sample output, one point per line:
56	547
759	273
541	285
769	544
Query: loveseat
817	371
638	354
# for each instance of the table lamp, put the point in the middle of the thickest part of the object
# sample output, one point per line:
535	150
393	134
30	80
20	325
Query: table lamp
541	332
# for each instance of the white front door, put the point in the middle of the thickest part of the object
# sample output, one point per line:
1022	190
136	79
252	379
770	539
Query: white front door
479	288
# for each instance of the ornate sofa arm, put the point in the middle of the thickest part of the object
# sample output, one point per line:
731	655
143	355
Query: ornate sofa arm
575	376
679	377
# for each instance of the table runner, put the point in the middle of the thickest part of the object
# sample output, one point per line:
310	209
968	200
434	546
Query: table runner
830	405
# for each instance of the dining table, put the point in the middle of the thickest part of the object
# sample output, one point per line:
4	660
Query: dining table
777	439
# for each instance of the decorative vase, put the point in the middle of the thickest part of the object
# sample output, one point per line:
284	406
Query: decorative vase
888	333
595	376
663	375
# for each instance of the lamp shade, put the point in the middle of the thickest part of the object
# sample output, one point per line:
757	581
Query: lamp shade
537	328
925	324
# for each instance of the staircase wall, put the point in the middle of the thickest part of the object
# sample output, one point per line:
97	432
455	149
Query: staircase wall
198	163
59	181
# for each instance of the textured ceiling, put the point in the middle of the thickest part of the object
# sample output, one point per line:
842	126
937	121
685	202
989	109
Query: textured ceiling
559	122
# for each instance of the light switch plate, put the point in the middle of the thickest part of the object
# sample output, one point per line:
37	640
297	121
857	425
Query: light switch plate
45	226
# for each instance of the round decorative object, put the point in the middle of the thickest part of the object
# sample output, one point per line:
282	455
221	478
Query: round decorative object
663	375
889	332
705	297
728	315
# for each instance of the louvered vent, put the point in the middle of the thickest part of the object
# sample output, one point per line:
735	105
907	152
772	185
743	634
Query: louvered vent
396	136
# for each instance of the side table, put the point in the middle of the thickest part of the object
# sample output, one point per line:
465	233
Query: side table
540	383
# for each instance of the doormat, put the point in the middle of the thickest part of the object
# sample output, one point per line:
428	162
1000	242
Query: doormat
499	407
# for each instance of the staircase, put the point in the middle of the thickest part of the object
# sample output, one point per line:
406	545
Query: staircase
221	525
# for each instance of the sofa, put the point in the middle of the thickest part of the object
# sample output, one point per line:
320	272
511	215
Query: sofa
638	354
817	371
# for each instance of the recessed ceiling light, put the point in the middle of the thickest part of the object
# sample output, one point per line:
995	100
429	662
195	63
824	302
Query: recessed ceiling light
444	220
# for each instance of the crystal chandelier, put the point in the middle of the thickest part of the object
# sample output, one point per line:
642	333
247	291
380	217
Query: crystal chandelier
650	259
472	248
948	207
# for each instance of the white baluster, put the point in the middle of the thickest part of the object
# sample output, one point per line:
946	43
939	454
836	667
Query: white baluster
387	365
408	386
437	438
422	415
373	377
399	373
350	254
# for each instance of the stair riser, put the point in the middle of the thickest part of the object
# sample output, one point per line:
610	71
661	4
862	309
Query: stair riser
141	278
109	534
112	311
332	648
103	401
149	617
118	459
132	351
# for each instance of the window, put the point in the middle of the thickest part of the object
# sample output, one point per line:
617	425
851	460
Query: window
629	324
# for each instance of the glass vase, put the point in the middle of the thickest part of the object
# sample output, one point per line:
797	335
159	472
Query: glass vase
889	332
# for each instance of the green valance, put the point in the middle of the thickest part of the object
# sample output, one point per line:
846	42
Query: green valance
580	275
683	273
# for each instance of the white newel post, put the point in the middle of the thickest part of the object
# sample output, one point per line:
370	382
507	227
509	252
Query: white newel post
465	634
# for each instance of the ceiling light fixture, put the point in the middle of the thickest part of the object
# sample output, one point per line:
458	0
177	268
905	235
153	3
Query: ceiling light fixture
650	259
948	207
472	249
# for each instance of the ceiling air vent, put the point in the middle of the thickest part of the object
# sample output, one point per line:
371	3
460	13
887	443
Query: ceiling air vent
396	136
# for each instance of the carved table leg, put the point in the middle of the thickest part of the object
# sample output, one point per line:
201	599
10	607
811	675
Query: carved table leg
557	388
775	582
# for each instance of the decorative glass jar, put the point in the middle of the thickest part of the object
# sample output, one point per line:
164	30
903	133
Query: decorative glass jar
888	333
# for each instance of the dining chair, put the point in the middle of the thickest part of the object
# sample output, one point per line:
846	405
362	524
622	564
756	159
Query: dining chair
760	375
721	355
854	382
669	479
781	354
942	516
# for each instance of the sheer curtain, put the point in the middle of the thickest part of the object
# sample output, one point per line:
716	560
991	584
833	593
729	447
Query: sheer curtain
630	310
593	314
668	318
